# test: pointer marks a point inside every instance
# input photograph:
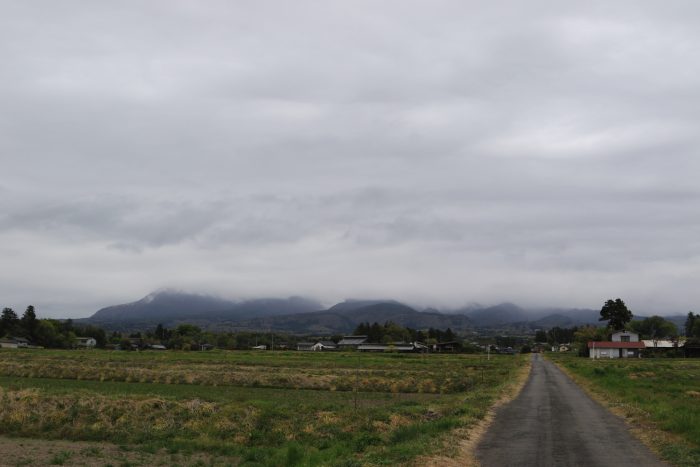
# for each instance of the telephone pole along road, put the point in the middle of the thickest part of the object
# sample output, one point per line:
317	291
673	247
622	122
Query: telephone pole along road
553	422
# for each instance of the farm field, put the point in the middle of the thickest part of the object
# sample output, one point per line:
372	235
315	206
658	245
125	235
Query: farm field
660	397
248	408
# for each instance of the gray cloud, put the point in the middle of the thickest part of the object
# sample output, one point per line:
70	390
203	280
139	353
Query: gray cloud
538	152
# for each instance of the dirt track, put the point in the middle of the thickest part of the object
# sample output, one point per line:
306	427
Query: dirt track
554	423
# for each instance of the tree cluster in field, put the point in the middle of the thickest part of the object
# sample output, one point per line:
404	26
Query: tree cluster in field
191	337
616	313
556	335
392	332
692	327
46	332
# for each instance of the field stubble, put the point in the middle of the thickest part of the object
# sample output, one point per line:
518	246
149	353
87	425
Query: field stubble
272	408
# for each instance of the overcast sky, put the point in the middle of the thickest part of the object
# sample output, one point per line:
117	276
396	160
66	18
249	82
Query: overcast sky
436	152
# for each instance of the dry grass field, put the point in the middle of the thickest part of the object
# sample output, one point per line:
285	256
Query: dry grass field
248	408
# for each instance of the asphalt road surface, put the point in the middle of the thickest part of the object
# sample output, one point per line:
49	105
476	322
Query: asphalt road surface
553	422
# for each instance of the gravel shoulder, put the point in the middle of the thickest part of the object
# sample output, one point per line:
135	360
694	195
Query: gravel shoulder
553	422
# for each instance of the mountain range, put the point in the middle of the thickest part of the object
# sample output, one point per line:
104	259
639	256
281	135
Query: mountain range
305	316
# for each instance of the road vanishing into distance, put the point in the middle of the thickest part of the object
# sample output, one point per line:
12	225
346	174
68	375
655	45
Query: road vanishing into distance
553	422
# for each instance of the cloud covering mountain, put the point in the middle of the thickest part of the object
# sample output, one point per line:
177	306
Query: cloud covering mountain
542	153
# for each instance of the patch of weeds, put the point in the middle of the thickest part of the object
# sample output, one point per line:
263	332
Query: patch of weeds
364	440
295	454
348	463
23	462
92	451
405	433
60	458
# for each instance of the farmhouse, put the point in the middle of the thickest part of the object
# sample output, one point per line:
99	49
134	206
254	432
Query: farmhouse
351	342
317	346
8	343
325	345
85	342
22	343
394	347
624	344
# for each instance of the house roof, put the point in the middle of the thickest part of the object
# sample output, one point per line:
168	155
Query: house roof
615	345
327	343
397	347
352	340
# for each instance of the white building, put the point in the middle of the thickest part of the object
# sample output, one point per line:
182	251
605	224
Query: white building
85	342
624	344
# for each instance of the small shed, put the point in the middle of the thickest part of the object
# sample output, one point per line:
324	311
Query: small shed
8	344
85	342
22	343
305	346
325	346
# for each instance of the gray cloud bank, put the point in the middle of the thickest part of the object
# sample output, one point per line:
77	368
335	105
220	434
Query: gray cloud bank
437	152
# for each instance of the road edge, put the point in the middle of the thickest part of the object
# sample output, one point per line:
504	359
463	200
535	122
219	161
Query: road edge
468	439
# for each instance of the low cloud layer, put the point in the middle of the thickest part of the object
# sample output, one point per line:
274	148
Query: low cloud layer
441	153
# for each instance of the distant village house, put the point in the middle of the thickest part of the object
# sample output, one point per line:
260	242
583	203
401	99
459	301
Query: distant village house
623	344
85	342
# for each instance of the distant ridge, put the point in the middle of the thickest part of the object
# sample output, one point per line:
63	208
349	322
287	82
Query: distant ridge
497	315
304	316
171	307
345	316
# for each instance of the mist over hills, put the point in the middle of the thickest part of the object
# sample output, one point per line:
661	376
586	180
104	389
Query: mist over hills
170	307
345	316
299	315
304	316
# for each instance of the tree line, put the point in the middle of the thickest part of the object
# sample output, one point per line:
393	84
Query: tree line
392	332
46	332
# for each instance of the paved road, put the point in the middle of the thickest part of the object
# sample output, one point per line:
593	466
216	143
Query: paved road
554	423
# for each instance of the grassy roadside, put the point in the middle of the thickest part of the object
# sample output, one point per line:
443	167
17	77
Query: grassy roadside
659	398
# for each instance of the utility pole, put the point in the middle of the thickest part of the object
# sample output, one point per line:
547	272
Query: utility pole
357	377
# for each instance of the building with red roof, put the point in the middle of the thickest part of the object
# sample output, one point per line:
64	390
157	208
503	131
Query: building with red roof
624	344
